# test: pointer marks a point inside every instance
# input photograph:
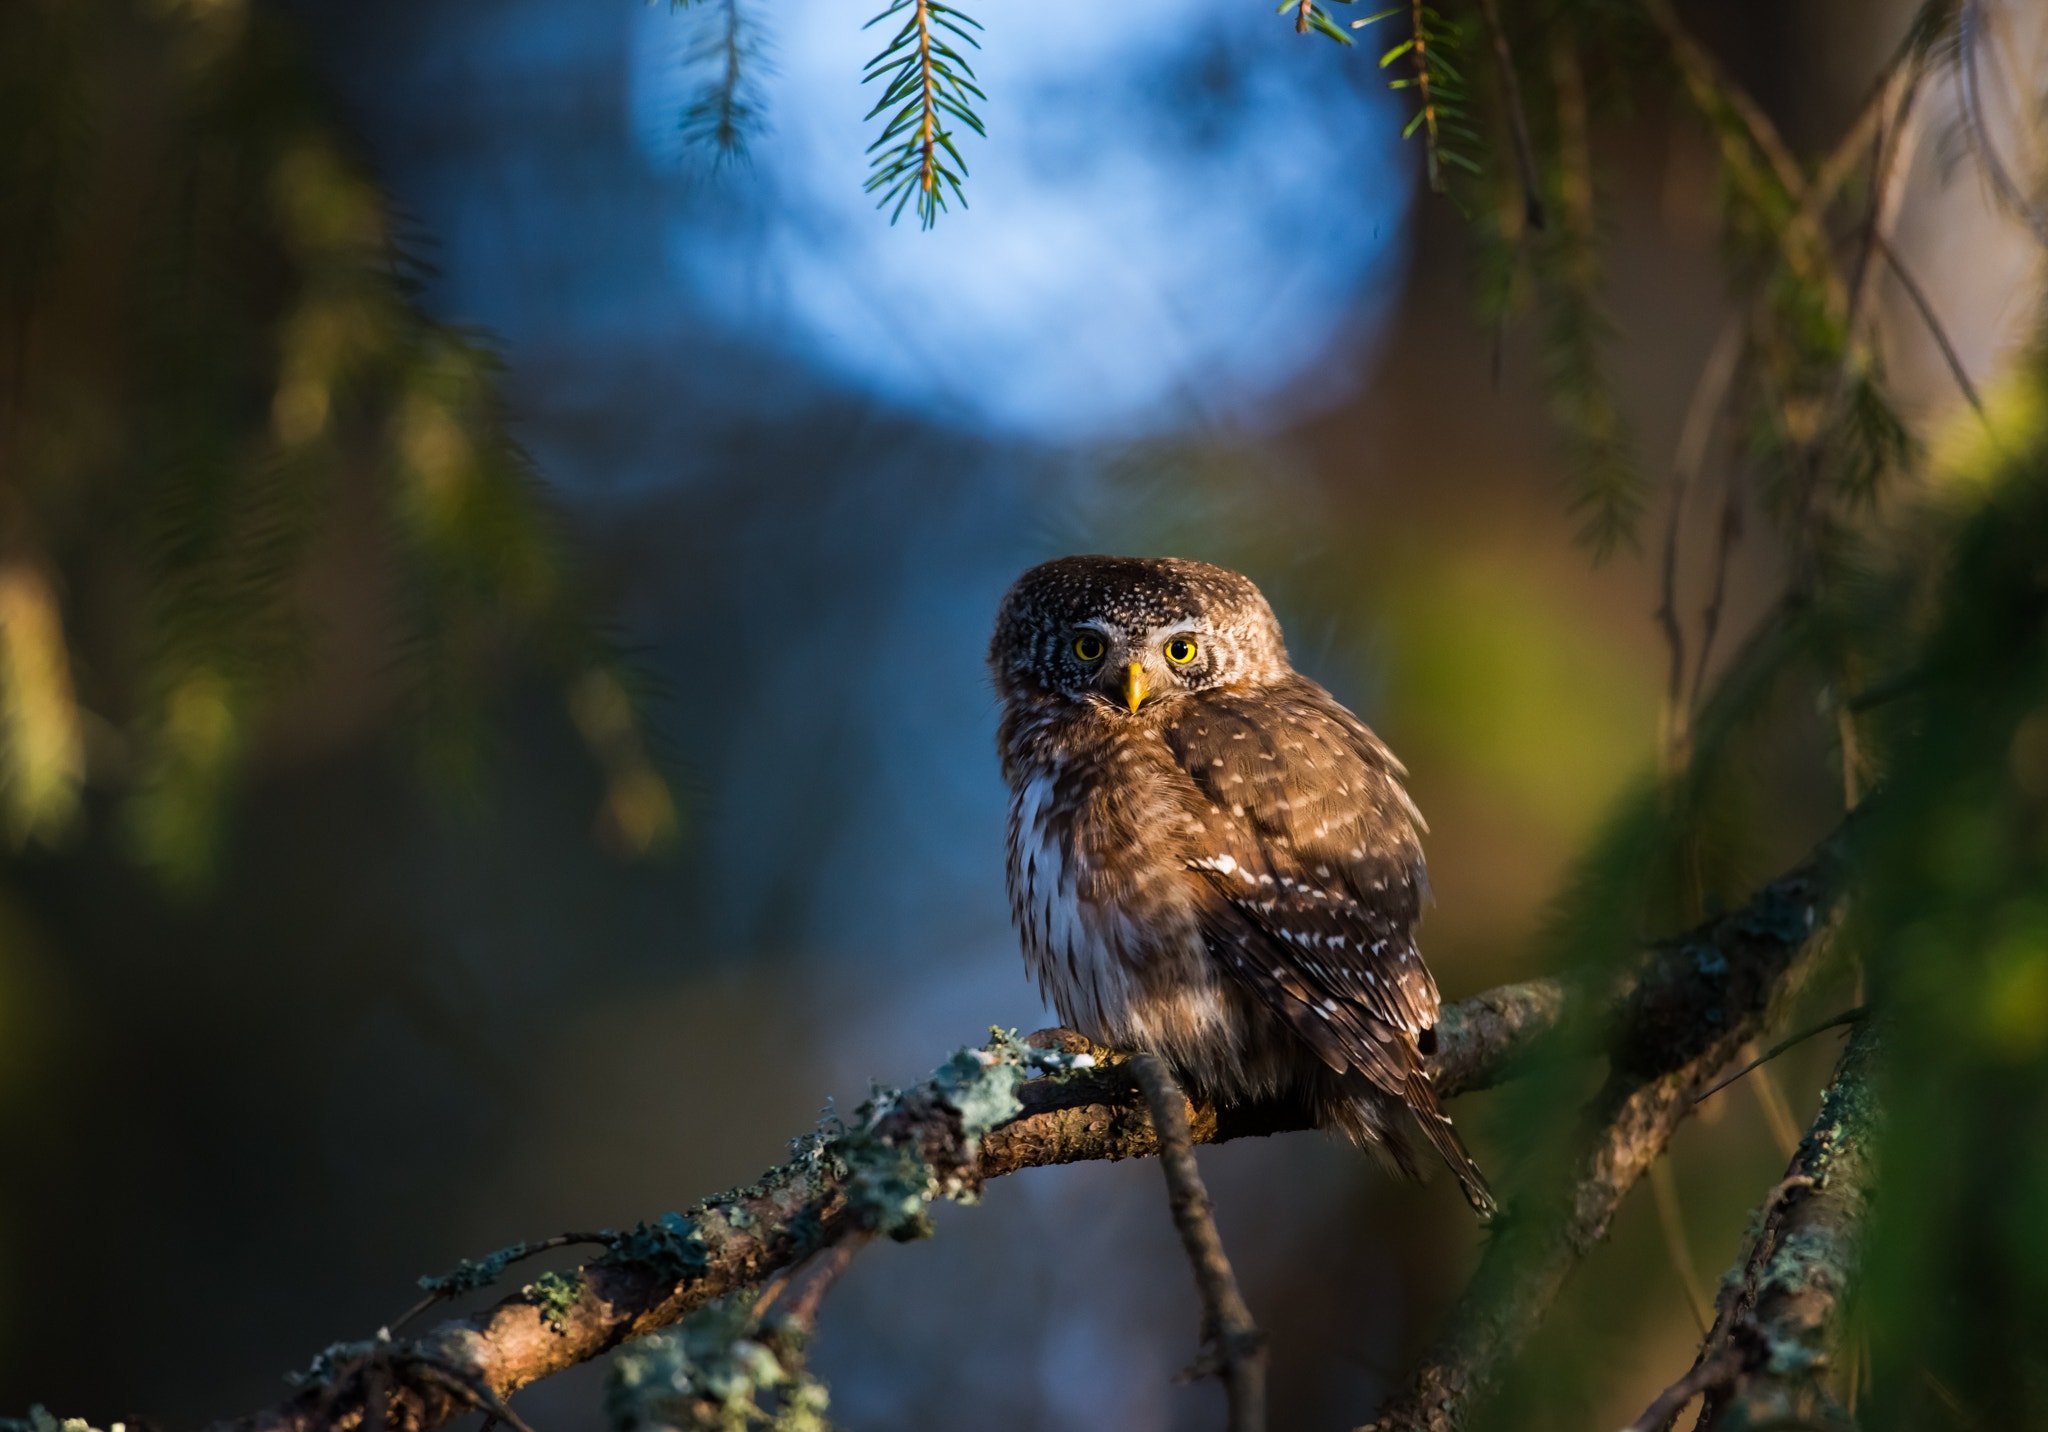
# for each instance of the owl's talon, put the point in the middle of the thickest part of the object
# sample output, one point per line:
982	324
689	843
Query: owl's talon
1068	1041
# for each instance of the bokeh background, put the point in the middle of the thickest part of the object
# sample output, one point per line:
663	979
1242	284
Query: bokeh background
1201	305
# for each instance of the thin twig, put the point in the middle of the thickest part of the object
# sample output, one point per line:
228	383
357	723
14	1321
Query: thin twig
1518	116
1867	129
1709	397
1802	241
1777	1113
526	1250
1234	1347
1716	1364
1892	149
1968	22
471	1388
1705	75
1420	34
1727	535
1847	1016
816	1278
1704	1377
1935	328
1671	1221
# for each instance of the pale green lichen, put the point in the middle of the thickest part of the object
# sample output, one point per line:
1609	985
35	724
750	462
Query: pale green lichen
890	1183
717	1371
41	1419
470	1274
889	1186
1802	1261
671	1247
554	1294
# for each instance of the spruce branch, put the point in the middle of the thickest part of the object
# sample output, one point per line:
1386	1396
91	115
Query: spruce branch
1533	212
925	80
1609	493
1442	114
727	111
1308	15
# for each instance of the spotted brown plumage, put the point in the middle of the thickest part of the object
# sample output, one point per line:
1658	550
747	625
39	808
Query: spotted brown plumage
1209	857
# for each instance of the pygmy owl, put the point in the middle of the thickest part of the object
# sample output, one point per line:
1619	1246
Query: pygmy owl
1209	857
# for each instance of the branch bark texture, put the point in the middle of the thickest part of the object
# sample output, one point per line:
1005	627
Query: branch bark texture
1233	1346
1778	1323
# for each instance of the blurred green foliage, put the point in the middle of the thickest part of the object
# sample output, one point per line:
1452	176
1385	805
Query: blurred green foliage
219	404
1954	918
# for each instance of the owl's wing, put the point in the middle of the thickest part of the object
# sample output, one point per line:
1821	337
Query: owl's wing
1309	850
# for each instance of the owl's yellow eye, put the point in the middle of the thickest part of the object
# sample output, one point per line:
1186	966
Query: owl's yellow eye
1181	650
1089	647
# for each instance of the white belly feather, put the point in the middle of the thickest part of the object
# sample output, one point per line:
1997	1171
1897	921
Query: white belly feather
1108	978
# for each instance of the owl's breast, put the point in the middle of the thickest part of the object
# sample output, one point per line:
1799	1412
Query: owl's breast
1101	896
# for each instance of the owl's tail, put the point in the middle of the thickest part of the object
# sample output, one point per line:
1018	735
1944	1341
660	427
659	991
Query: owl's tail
1443	1137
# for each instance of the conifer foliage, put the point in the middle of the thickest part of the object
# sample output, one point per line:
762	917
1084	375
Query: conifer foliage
211	363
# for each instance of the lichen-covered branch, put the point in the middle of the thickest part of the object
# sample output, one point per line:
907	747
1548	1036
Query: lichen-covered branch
986	1113
1777	1323
1690	1006
979	1117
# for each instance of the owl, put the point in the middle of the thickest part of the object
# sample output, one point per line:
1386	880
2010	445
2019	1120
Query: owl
1210	858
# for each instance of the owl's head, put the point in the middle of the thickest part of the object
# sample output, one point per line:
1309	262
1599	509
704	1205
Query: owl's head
1129	632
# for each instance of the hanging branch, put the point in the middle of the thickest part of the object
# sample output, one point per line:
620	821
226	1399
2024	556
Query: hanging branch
925	80
726	113
1702	413
1308	15
1517	115
1608	493
1439	85
1924	306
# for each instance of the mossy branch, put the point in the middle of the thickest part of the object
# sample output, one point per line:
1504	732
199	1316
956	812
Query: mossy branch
1679	1015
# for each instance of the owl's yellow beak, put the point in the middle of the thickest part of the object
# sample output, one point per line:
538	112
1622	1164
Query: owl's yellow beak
1134	686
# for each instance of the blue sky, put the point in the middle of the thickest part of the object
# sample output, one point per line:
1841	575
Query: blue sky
1176	213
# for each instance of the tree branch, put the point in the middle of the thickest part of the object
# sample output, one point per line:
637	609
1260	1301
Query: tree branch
1233	1346
742	1238
1689	1009
951	1134
1778	1319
